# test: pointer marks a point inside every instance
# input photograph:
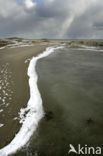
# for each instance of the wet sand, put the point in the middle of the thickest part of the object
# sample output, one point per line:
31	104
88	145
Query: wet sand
12	63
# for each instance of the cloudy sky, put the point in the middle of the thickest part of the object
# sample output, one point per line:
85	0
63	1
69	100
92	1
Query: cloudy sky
55	19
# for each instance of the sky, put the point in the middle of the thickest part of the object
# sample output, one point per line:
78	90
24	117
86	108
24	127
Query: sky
52	19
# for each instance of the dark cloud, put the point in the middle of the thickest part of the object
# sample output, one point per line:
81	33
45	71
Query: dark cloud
98	26
51	18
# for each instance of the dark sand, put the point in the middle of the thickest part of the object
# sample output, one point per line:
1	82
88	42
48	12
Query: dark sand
18	84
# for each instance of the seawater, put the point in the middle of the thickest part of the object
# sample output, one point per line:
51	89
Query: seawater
71	86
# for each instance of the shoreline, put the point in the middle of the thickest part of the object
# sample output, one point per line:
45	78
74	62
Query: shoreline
34	110
17	60
19	86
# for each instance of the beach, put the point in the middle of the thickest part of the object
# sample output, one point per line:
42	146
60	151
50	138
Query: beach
14	62
69	81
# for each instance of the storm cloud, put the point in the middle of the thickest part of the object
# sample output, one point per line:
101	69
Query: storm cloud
55	19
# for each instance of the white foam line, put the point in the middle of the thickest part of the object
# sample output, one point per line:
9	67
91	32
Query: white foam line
89	49
34	109
2	47
1	125
20	46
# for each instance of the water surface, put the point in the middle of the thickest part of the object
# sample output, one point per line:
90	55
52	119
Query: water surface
71	86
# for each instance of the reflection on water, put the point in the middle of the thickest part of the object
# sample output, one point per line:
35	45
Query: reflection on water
71	85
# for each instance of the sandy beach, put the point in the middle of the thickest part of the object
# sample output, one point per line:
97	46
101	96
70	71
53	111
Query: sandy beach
15	59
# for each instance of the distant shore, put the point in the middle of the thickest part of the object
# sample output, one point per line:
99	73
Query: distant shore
14	41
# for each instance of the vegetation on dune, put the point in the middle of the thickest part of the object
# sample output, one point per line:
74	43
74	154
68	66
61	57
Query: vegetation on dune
15	38
79	43
5	43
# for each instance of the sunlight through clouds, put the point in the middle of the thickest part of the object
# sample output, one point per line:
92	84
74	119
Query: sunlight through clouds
29	4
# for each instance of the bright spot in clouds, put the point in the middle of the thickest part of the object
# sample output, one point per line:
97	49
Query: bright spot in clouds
29	4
